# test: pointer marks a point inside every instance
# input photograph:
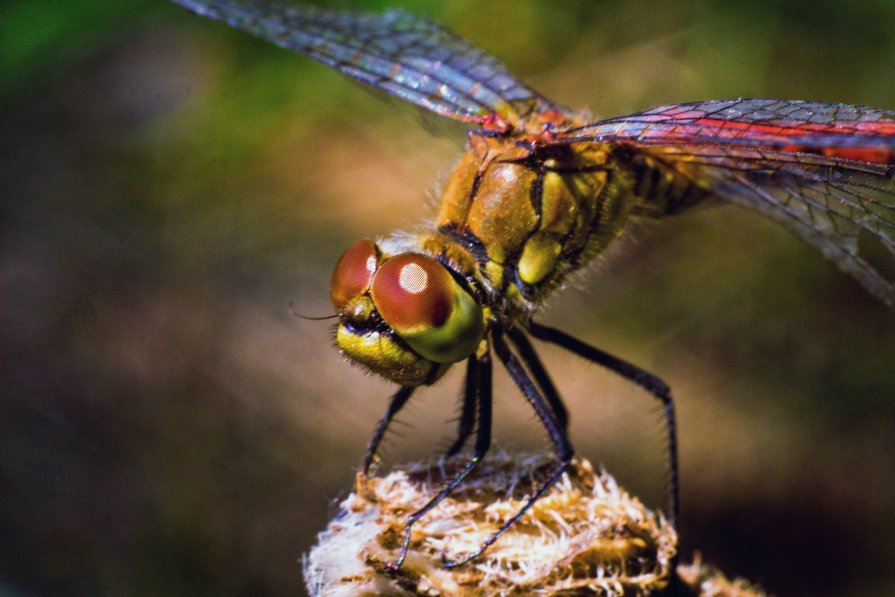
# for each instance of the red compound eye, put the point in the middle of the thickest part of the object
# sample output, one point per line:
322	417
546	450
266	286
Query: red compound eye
353	273
413	292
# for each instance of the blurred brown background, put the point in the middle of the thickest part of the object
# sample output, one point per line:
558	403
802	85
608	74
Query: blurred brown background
170	187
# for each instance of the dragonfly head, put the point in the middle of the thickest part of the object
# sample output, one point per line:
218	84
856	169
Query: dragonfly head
404	316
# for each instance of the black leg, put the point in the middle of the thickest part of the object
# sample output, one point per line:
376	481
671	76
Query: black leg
398	401
557	434
561	443
467	415
482	443
645	380
528	356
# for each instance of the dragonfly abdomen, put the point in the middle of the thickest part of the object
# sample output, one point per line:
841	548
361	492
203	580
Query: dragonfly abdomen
660	188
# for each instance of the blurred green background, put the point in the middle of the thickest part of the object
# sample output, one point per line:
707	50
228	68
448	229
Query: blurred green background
171	189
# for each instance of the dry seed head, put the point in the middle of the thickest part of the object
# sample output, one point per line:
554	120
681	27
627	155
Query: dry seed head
586	536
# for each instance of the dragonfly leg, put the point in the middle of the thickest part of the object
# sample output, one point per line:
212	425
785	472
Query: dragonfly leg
558	436
645	380
399	399
467	415
528	356
482	443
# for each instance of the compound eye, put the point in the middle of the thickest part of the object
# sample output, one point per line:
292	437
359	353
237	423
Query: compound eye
420	300
353	273
412	292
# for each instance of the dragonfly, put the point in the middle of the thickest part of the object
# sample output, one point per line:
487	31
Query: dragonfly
539	192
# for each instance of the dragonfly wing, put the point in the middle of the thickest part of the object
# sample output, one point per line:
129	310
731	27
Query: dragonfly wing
851	132
824	171
834	205
412	58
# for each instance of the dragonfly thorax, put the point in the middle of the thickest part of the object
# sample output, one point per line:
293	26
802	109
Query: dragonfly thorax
530	217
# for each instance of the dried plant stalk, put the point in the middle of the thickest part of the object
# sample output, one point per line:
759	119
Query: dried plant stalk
587	536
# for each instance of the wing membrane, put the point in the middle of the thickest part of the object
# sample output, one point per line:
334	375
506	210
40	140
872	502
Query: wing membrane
412	58
840	130
824	171
828	202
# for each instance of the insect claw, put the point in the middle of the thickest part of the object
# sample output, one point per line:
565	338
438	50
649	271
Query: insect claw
450	565
405	546
396	565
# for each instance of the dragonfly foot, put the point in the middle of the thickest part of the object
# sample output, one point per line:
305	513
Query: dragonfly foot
448	564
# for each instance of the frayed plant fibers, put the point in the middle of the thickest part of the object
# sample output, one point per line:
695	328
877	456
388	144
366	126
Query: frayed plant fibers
586	536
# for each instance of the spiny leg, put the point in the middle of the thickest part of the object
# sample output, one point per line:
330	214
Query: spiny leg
482	443
533	362
561	443
467	415
531	392
399	399
645	380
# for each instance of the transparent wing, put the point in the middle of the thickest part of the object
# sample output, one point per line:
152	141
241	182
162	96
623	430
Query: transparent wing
851	132
843	208
407	56
825	171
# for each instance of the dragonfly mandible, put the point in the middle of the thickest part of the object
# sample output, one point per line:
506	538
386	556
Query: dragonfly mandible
540	192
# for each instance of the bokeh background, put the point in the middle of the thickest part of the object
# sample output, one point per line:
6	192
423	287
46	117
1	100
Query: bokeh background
172	190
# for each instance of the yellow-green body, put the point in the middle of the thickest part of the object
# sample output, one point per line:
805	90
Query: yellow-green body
516	218
528	221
